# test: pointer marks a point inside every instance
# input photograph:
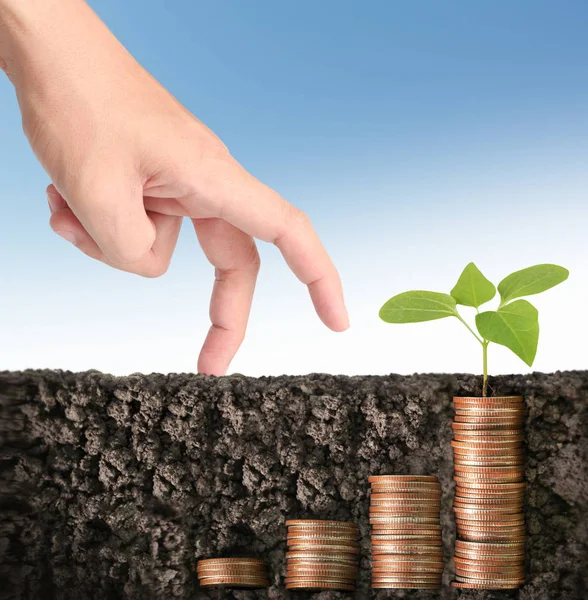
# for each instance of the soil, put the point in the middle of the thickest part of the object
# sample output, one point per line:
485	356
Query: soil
114	487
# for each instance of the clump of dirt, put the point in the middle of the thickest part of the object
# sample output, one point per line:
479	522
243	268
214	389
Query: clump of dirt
114	487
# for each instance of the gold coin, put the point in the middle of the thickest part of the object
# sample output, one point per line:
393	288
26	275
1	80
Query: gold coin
496	478
515	529
413	577
399	534
498	437
491	580
408	559
296	565
481	490
487	435
487	572
488	399
331	547
487	447
511	469
302	557
516	520
232	571
414	495
491	499
432	564
235	582
407	509
328	538
319	585
484	586
313	522
485	462
517	485
482	427
490	410
488	537
405	567
380	535
476	464
474	546
408	578
516	422
505	506
479	445
404	586
313	573
407	549
349	531
380	545
491	558
406	486
487	514
490	562
396	521
401	503
467	490
406	528
415	499
395	478
231	561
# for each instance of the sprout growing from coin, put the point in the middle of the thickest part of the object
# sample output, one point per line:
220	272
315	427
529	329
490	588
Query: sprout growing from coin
514	324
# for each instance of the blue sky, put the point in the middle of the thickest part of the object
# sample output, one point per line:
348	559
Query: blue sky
417	135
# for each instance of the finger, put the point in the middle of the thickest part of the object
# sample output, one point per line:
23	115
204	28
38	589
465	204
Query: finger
55	199
66	224
236	261
227	191
258	210
110	208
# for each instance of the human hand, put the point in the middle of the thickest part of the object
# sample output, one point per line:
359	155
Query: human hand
127	161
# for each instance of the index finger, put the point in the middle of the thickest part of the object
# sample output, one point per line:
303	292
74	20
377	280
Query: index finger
245	202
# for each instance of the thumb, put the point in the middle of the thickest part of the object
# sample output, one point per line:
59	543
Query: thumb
111	209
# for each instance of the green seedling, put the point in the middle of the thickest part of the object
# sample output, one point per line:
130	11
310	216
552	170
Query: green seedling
514	324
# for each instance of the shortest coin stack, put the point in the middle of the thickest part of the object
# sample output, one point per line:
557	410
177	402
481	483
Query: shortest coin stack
407	549
233	572
322	555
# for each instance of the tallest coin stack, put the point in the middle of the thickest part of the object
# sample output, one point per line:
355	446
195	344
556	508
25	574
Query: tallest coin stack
489	471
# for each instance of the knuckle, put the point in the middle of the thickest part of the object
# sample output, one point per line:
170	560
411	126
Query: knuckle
299	218
253	259
295	220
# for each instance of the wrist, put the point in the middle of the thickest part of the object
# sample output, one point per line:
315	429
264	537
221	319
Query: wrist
29	29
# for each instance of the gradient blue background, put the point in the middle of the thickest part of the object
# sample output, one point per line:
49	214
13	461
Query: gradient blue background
418	135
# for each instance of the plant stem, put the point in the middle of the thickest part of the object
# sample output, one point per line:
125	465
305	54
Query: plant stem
484	354
485	367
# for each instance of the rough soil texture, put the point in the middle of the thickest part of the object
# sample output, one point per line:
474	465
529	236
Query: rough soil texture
114	487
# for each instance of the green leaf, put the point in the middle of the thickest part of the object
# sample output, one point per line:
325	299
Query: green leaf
418	306
515	326
472	288
532	280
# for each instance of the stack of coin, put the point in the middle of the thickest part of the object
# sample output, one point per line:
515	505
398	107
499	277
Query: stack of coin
322	555
489	471
406	541
233	572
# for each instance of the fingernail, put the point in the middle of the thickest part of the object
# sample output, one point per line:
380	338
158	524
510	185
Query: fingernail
52	199
68	235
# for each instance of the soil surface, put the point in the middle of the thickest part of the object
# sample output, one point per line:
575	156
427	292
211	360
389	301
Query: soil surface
114	487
